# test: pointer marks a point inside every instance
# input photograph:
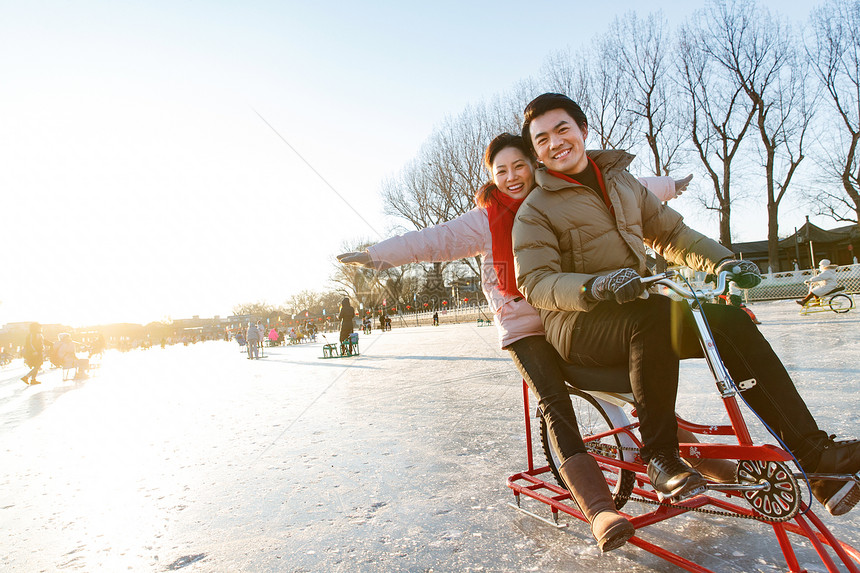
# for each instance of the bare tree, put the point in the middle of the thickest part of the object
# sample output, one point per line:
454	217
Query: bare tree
259	309
758	50
601	90
371	288
834	53
357	283
641	49
314	302
718	113
565	73
440	183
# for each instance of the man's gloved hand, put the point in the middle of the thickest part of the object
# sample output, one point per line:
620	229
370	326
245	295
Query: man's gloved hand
621	286
681	184
363	259
744	273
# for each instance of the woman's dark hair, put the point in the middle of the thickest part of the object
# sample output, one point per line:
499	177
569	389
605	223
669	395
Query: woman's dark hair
500	142
548	102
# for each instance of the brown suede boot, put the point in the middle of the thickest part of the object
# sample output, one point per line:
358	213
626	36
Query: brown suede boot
588	488
720	471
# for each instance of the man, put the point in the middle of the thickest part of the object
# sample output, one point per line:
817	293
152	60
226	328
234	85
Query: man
579	245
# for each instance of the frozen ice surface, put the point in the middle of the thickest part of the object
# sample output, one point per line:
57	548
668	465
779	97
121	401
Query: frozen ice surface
197	459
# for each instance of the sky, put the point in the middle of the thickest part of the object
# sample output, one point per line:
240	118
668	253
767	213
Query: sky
160	160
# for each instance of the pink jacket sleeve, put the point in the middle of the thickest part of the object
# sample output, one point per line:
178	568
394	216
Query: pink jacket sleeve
663	187
464	236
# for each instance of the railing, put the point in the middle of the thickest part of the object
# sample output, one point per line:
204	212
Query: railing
469	313
789	284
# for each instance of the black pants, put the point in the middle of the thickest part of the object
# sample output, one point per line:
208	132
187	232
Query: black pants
651	335
538	361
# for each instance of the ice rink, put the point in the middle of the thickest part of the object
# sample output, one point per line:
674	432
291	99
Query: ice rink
197	459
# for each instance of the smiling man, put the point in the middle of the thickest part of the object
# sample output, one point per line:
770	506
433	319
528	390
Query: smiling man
579	247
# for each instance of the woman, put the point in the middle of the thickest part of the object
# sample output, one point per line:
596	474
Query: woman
486	231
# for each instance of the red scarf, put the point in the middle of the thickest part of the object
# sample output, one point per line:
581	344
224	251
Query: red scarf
599	182
501	210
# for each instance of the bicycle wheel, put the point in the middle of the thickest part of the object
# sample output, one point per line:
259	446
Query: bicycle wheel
592	419
841	303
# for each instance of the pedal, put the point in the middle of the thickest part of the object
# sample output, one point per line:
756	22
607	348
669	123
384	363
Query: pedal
746	384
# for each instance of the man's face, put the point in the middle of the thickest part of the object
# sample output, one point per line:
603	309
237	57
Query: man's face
559	142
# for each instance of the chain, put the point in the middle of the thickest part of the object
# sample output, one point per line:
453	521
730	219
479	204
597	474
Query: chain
612	449
755	517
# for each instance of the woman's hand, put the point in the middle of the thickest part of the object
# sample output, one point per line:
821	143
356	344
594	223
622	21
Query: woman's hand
681	184
362	259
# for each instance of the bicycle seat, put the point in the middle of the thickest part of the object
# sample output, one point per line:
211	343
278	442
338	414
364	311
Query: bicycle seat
615	379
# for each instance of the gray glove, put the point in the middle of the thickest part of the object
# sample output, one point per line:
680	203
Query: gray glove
621	286
744	273
362	259
681	184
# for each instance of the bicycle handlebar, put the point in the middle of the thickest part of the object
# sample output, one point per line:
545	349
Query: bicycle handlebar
664	279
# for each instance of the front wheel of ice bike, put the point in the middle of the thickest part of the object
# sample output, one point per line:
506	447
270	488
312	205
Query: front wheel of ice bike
841	303
592	419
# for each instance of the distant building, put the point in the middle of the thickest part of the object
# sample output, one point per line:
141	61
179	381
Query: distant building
807	246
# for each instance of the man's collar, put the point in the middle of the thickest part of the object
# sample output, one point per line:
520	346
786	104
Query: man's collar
607	160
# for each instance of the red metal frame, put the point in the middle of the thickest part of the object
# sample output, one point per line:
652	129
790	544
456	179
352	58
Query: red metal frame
805	524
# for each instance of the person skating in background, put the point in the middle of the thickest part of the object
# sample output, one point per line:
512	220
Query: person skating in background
34	348
486	231
346	318
821	284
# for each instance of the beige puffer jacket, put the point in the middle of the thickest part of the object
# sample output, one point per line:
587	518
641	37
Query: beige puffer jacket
564	235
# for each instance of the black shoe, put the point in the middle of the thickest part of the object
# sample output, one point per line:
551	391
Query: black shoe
672	478
838	497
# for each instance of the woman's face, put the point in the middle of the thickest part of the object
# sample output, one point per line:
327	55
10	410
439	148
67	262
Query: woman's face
513	173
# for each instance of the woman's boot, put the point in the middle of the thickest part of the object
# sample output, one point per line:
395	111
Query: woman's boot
588	488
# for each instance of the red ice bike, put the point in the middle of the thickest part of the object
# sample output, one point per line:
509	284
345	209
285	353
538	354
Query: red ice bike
767	489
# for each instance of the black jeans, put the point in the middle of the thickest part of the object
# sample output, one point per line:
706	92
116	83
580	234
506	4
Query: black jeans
651	335
538	363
